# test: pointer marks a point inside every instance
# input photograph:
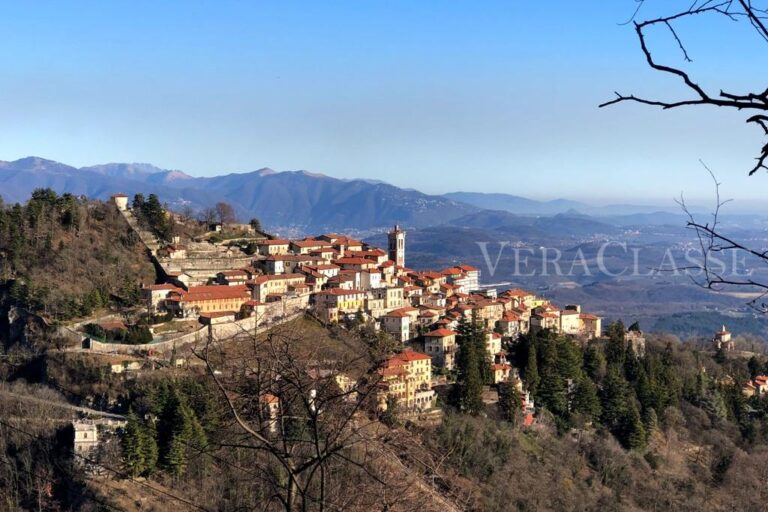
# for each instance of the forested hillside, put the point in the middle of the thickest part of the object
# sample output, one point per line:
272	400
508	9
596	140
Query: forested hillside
617	426
666	430
62	257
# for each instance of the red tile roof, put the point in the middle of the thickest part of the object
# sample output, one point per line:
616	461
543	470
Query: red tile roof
408	355
440	333
340	291
354	261
202	293
277	277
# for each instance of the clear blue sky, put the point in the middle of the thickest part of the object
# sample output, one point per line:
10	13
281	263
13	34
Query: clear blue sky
436	95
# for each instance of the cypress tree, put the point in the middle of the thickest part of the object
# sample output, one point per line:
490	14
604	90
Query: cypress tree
470	384
472	366
755	368
615	349
510	400
531	373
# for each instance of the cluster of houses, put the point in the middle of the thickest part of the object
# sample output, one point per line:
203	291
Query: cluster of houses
338	278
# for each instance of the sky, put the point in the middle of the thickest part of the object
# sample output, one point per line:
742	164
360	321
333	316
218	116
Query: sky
440	96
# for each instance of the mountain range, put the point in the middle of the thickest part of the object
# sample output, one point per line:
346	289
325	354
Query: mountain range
299	202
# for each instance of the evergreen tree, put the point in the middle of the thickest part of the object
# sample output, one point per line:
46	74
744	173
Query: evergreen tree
473	367
149	449
614	400
615	349
182	434
510	400
133	443
469	382
531	373
594	362
631	365
569	359
632	432
138	203
650	422
586	401
553	394
390	415
719	356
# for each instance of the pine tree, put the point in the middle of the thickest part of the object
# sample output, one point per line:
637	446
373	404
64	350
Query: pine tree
631	365
614	400
138	203
586	401
510	400
149	449
594	362
182	431
616	347
719	356
553	394
531	373
470	384
133	441
650	422
569	359
632	432
471	366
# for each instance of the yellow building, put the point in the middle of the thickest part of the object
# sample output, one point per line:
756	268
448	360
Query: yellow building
407	377
346	301
264	286
207	299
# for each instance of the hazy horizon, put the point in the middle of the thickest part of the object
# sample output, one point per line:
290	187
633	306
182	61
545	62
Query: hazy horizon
431	96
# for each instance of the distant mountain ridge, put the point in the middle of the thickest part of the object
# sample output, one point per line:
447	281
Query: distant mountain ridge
299	201
303	202
524	206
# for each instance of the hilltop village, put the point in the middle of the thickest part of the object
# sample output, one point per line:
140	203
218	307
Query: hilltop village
428	378
338	279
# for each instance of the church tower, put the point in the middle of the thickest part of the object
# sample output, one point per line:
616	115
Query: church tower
397	246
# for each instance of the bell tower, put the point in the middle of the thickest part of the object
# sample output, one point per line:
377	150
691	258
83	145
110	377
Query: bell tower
397	246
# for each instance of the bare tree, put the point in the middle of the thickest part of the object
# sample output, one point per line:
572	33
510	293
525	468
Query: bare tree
187	213
304	415
207	216
225	213
712	241
743	11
